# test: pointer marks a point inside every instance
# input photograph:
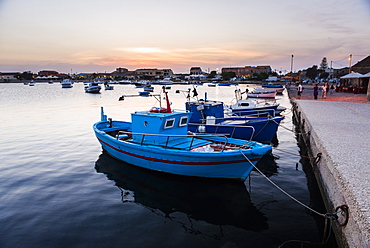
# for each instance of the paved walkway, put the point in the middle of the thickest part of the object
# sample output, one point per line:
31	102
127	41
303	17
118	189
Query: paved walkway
335	96
341	132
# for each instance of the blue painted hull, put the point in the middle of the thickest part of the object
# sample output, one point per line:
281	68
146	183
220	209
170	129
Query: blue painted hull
230	164
259	129
272	86
224	84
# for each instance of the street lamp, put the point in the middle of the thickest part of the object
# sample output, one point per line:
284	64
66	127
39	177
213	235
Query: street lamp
291	64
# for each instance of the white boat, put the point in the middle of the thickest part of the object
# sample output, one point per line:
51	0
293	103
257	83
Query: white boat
252	107
262	93
108	87
31	83
165	81
93	87
66	83
279	91
142	83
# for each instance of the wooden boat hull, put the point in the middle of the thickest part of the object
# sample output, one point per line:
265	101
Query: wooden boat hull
229	164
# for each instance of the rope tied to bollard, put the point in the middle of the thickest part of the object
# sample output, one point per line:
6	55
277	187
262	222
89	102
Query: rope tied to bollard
343	209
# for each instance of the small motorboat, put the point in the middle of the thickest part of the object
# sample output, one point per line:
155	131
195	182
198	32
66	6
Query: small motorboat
224	84
66	83
108	87
93	87
262	93
271	85
142	83
158	140
253	107
31	83
148	88
165	81
144	93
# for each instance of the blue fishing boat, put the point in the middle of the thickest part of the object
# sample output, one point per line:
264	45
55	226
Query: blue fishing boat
144	93
209	117
271	85
278	87
224	84
158	140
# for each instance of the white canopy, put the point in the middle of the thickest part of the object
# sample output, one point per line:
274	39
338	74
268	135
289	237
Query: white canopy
366	75
352	75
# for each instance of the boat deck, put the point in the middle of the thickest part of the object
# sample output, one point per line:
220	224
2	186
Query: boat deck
189	143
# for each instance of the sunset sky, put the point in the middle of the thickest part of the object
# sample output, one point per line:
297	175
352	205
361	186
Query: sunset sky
99	36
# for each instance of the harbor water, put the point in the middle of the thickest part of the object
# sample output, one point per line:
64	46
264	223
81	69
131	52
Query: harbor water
59	189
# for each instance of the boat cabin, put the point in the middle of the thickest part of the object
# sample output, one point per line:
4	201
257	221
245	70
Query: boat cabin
205	110
157	126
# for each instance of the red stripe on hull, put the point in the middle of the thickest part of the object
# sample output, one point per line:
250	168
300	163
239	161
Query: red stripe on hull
175	162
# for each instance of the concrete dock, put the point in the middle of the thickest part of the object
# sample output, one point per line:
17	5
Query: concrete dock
340	131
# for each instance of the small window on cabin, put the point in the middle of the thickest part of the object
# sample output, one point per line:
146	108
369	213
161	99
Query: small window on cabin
245	104
183	121
169	123
146	123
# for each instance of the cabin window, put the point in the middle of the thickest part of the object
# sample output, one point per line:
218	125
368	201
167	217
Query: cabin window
245	104
183	121
169	123
146	123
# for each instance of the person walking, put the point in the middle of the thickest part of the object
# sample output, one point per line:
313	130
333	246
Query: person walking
315	91
323	88
300	90
332	89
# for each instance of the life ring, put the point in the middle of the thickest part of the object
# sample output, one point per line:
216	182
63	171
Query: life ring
158	110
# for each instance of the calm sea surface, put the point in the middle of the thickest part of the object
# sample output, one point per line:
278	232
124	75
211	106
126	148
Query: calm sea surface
58	189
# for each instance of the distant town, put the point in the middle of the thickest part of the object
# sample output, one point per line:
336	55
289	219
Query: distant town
245	73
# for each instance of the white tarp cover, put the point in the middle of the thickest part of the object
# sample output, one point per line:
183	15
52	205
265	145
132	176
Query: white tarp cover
352	75
366	75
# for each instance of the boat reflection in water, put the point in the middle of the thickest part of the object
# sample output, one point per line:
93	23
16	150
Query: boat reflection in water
267	165
215	201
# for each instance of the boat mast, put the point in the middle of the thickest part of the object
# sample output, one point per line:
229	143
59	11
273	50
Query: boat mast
167	101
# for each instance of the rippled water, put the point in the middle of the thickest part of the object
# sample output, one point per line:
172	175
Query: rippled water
58	189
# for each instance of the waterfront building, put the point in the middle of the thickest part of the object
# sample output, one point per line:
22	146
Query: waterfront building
154	72
196	71
247	70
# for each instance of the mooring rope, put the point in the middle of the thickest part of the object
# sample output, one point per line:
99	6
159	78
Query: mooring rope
286	193
328	216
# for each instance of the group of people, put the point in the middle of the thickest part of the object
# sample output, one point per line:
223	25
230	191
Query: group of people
324	89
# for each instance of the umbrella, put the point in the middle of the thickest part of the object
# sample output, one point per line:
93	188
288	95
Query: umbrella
352	75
